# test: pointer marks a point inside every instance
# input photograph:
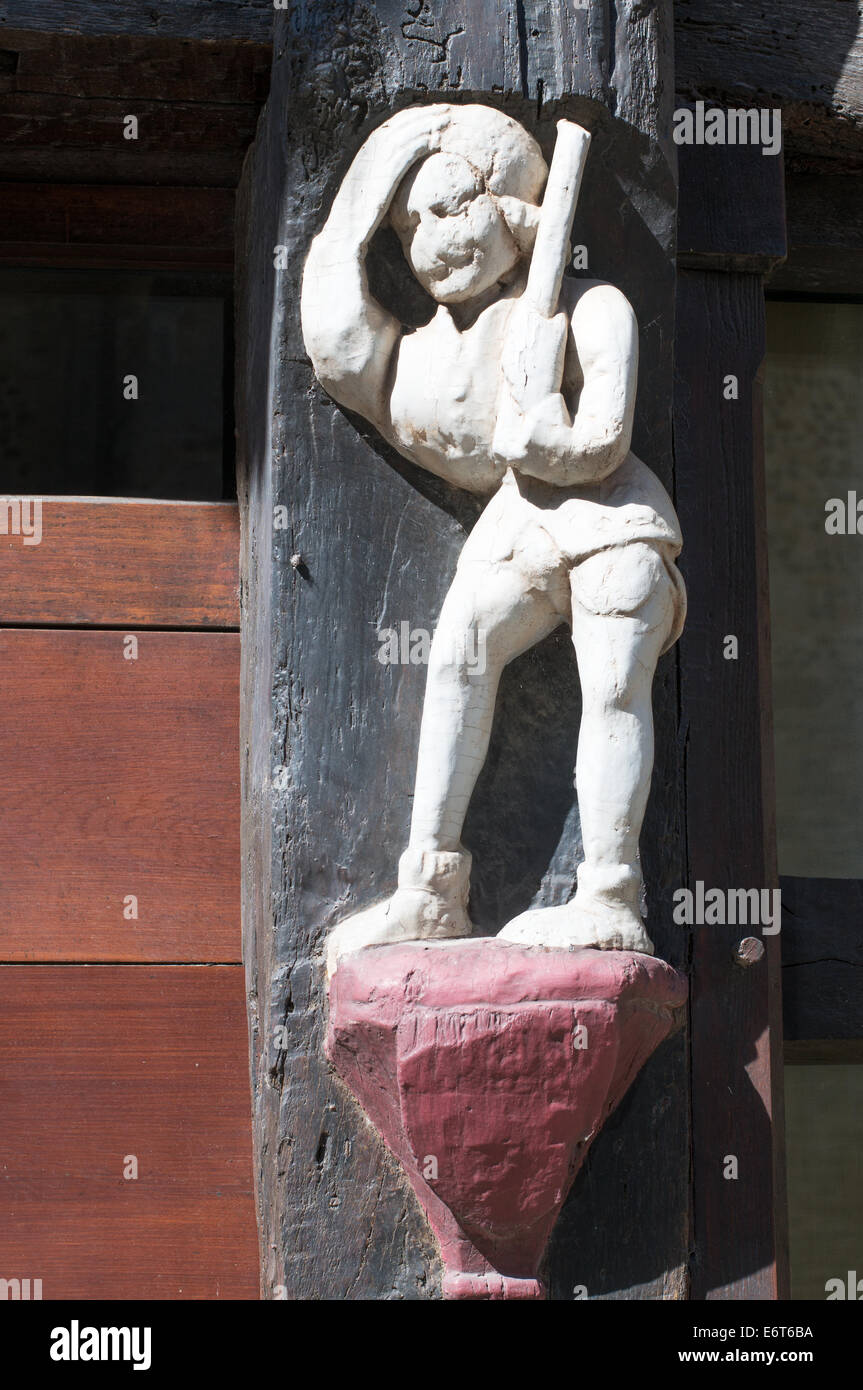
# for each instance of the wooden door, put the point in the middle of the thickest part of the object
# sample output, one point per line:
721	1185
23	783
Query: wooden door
124	1089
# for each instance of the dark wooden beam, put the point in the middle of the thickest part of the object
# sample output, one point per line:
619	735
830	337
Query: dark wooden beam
378	536
186	142
64	100
805	56
732	219
124	227
731	213
130	68
739	1241
826	1052
825	236
238	20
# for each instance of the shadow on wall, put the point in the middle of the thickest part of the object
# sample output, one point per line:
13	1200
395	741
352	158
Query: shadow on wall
609	1241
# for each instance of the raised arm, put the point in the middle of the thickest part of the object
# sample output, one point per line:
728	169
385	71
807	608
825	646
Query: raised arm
349	336
547	440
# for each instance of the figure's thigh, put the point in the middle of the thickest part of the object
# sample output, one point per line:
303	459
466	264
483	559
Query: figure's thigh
511	584
624	609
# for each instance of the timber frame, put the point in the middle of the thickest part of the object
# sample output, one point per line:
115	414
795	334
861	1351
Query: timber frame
748	227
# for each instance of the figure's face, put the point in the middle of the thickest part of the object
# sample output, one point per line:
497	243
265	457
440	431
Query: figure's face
453	235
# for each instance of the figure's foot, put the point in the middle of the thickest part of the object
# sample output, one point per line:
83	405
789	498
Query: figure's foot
603	914
430	904
561	928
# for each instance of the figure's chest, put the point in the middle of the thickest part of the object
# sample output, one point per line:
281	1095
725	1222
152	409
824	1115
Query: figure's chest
445	394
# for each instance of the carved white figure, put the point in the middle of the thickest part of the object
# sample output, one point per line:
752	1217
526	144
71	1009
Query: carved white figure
522	385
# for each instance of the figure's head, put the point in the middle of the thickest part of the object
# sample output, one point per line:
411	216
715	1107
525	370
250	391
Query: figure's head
467	214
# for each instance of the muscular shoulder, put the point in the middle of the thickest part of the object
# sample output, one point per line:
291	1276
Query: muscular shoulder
585	293
601	315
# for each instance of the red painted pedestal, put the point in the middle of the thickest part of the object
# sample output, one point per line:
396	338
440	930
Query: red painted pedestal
488	1068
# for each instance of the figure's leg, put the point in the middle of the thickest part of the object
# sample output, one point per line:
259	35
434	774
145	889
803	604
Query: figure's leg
489	617
624	609
497	607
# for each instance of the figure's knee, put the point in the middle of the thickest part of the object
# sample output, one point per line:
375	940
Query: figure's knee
624	606
619	688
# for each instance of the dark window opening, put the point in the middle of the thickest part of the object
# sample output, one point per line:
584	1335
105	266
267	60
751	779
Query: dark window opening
72	419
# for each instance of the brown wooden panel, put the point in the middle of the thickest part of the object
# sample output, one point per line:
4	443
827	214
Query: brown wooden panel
112	563
104	1062
120	777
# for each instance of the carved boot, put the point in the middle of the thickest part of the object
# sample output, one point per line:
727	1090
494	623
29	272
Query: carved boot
430	904
604	913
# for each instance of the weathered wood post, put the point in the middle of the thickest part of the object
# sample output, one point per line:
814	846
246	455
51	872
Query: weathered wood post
343	539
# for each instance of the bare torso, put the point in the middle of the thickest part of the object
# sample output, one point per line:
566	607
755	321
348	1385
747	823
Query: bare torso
448	426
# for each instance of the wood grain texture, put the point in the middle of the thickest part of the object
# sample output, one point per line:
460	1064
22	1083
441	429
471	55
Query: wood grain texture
132	67
121	777
63	100
87	224
822	958
105	1062
48	118
825	236
803	55
736	1018
189	130
239	20
379	540
825	1052
107	563
731	214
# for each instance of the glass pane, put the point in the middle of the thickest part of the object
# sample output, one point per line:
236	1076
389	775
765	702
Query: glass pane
69	421
814	452
824	1129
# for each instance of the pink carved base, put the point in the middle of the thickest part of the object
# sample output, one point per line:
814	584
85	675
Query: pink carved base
465	1055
